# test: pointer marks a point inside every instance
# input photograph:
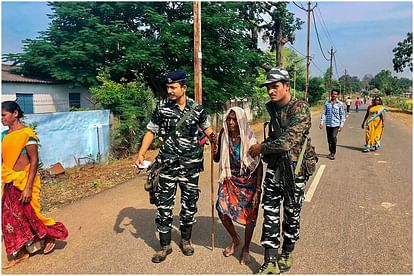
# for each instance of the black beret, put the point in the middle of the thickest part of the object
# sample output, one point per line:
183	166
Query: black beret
176	76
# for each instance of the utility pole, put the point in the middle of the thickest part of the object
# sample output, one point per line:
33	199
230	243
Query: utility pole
343	94
294	80
309	10
330	69
197	52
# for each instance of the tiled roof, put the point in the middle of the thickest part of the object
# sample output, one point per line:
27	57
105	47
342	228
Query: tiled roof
8	76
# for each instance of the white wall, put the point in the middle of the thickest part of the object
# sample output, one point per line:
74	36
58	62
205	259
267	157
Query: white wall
46	97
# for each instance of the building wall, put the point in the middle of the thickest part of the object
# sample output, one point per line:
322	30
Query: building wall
71	138
46	97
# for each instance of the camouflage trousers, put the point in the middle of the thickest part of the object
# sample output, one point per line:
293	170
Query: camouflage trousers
171	177
273	194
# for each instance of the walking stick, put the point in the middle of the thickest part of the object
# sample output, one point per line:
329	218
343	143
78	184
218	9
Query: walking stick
213	228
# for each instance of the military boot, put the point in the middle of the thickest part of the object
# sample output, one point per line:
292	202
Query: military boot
285	260
165	242
186	247
270	265
185	243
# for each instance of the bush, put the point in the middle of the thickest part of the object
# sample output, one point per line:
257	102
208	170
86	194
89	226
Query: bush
132	104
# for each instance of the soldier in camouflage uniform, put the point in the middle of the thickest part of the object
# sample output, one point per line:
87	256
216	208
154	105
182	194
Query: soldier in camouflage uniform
182	158
295	121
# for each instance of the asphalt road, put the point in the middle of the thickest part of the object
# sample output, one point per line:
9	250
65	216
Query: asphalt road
358	220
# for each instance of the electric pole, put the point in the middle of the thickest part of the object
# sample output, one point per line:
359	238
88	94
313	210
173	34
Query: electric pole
343	95
197	52
330	69
309	10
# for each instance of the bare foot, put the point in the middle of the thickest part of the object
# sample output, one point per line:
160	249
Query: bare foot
245	257
49	245
231	248
20	258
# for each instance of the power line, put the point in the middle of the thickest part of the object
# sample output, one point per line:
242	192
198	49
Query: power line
336	68
317	67
300	7
317	35
293	48
325	28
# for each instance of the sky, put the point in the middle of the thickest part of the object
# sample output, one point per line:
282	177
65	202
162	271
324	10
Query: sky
362	34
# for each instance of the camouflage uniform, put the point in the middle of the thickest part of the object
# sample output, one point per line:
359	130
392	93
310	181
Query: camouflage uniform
295	120
182	157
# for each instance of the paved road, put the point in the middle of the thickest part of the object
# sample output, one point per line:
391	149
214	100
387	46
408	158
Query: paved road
358	220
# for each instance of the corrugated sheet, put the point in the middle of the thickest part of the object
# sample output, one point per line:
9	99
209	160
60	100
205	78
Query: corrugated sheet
7	76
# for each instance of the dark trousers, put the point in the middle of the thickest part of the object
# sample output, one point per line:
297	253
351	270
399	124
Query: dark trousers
331	134
348	108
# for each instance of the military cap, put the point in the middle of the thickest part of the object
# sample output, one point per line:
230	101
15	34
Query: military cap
275	75
176	76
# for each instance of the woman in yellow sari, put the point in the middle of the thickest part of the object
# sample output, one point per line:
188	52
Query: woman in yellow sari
24	228
375	125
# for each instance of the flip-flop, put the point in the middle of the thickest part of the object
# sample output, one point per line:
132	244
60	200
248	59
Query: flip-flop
245	258
48	241
15	261
226	252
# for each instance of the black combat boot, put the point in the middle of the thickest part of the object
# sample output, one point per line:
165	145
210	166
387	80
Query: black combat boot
270	265
185	243
285	259
165	242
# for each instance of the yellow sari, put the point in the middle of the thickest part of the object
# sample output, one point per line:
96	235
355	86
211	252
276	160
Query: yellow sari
12	146
374	126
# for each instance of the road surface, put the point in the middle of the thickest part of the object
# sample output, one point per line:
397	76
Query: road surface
357	219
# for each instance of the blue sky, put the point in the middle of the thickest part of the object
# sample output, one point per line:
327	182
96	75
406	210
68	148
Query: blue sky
363	34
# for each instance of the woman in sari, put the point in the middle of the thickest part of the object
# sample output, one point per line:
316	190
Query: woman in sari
24	227
240	180
375	125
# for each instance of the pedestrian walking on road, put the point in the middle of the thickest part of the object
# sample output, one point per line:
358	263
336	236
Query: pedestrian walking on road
375	125
181	158
289	134
357	104
348	103
240	179
333	117
24	228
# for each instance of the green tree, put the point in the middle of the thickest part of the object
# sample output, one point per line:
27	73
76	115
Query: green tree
384	82
317	90
403	54
281	28
132	104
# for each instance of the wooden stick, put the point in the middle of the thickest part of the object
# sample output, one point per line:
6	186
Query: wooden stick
213	226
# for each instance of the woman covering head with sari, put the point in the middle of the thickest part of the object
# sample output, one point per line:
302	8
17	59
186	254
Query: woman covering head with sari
240	180
24	227
375	124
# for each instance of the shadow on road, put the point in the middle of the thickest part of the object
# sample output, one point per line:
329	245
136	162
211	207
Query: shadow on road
350	147
143	227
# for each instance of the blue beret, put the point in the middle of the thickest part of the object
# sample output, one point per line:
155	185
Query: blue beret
176	76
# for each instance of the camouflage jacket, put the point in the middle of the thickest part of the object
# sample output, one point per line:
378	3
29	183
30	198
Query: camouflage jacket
182	144
295	121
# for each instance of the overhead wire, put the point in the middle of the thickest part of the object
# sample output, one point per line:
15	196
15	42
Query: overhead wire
317	35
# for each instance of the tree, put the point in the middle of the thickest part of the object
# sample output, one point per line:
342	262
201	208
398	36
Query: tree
281	28
316	89
384	82
145	40
403	54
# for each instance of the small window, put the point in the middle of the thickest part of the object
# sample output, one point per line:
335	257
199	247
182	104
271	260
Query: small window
26	102
74	100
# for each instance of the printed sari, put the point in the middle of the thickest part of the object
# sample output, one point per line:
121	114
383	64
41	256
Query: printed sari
374	127
235	194
22	224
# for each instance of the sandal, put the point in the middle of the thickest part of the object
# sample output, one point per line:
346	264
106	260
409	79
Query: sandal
15	261
49	246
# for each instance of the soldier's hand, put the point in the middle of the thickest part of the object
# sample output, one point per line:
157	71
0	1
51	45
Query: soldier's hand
255	150
139	160
320	126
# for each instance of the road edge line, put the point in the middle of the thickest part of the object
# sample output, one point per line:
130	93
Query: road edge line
314	184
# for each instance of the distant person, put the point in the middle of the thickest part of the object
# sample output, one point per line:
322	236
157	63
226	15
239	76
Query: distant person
181	157
375	125
357	104
365	99
333	117
348	103
24	227
240	180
